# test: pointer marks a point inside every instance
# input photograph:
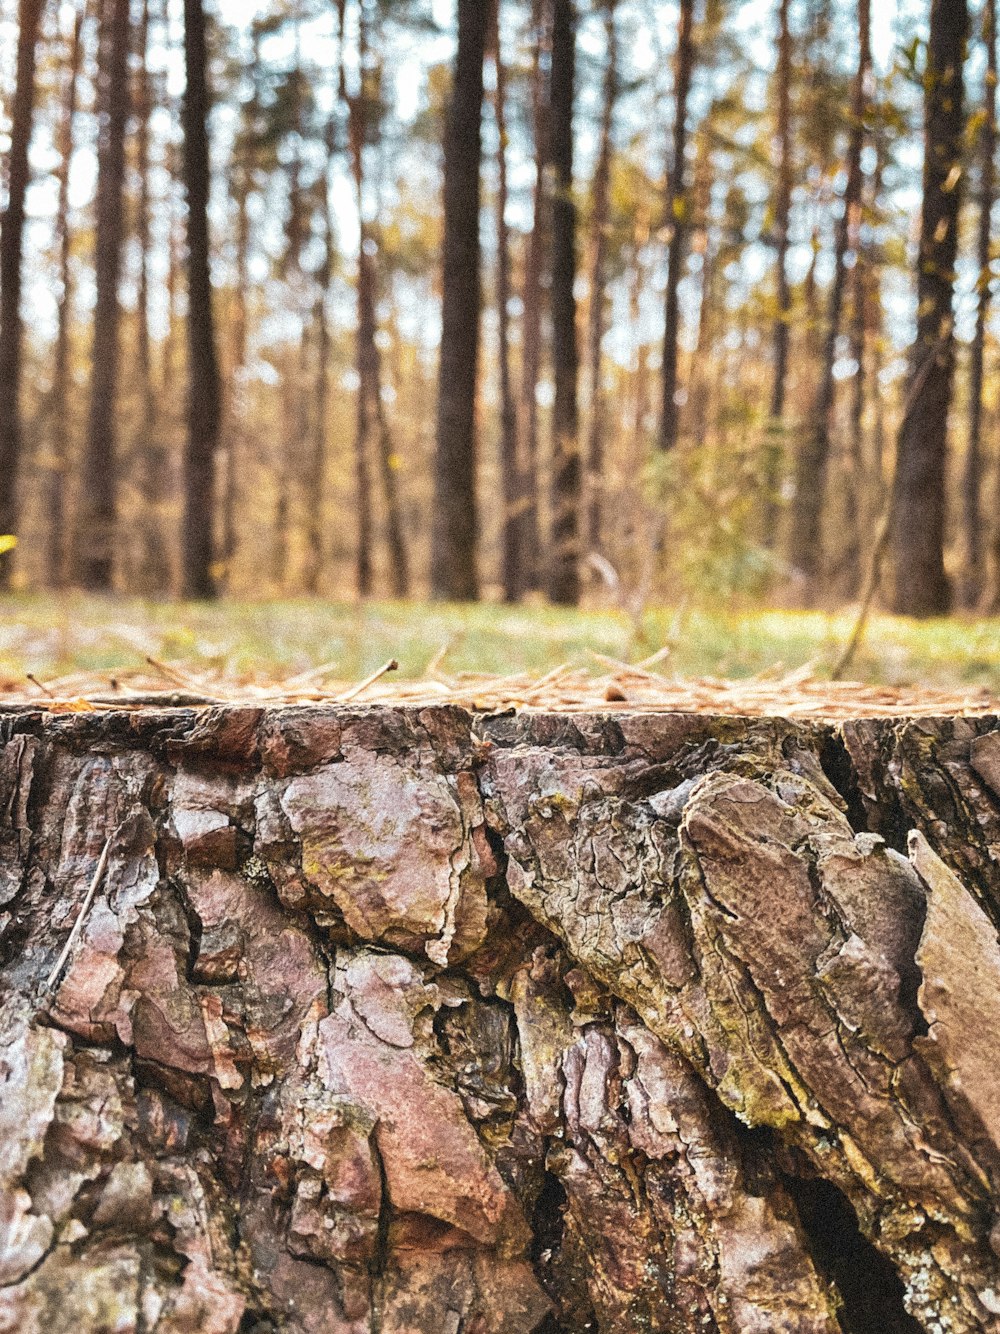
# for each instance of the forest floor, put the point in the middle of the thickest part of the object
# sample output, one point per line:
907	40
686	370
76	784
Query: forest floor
81	644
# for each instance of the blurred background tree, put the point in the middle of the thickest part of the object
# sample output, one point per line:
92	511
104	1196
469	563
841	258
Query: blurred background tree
714	282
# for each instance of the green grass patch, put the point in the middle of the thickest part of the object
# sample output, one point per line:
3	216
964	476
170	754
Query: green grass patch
54	636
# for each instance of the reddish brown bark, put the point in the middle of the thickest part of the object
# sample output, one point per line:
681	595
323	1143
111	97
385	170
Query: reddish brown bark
385	1019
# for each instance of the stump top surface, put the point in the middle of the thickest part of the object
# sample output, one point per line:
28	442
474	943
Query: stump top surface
621	690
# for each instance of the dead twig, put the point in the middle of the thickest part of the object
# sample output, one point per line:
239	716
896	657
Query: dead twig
35	682
81	916
391	666
185	682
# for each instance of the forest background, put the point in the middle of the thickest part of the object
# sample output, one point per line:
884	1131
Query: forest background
614	302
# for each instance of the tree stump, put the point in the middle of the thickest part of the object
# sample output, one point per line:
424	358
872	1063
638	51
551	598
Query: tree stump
397	1019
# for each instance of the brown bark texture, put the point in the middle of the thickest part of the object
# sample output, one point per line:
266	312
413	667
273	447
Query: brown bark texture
405	1019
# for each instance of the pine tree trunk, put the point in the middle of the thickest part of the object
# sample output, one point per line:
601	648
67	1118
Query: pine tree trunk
454	572
530	571
405	1020
149	451
921	587
97	517
774	461
11	246
204	391
567	473
597	312
677	220
513	481
56	553
809	504
974	563
315	514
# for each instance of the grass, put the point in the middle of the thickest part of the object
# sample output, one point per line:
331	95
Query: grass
53	636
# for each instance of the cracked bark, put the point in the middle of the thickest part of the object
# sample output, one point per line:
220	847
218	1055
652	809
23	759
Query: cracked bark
403	1020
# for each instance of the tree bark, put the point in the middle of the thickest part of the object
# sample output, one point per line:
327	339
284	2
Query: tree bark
921	587
774	460
97	517
809	504
974	563
11	246
514	499
567	472
204	391
56	553
677	225
402	1019
597	311
454	572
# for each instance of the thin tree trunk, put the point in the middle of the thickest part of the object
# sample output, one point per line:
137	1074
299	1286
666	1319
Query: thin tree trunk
530	560
775	445
512	575
677	221
389	460
95	537
204	391
11	245
370	409
365	342
56	550
286	451
972	583
597	314
454	573
921	586
235	419
809	504
150	454
567	474
854	472
321	321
